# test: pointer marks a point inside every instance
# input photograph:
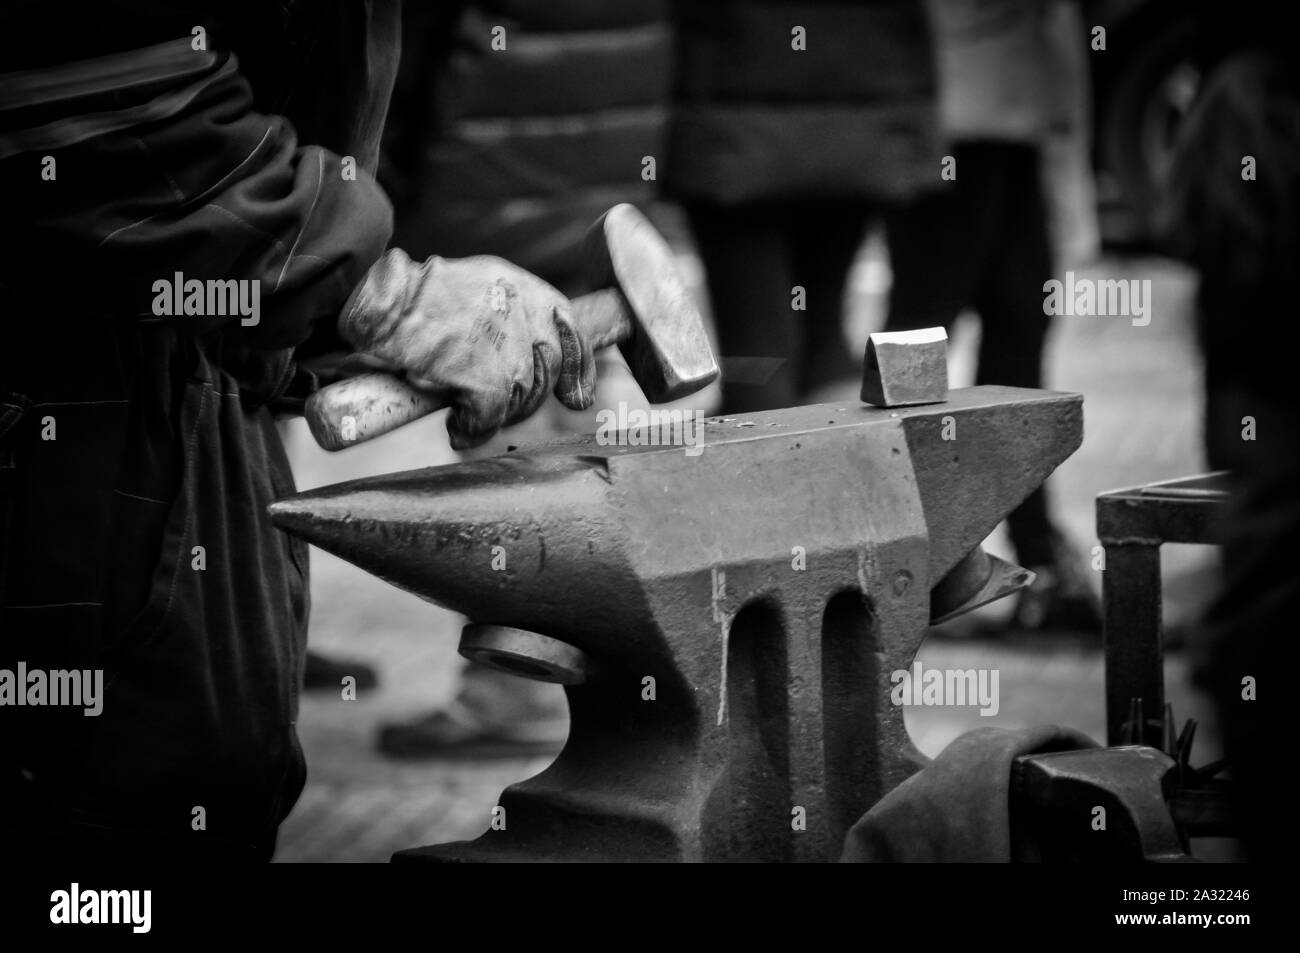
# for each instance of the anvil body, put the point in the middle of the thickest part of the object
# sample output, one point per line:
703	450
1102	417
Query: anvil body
768	586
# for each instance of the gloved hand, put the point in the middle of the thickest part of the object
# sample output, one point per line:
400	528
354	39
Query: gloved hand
491	338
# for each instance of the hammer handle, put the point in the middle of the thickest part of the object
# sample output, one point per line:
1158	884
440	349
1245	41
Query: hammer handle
361	408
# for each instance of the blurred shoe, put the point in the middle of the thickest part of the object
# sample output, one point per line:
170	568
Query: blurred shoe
1176	636
323	673
494	715
456	731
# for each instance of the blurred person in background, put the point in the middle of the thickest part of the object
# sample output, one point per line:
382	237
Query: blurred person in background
983	241
515	151
1232	209
793	125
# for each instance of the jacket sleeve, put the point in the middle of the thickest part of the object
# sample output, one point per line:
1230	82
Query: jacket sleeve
190	183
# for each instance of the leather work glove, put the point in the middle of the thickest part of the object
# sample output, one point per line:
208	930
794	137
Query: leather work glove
488	336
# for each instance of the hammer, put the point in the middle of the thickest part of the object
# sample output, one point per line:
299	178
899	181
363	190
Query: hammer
642	305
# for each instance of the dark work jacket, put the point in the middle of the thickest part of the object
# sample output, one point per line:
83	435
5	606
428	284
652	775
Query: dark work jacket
852	115
138	452
516	151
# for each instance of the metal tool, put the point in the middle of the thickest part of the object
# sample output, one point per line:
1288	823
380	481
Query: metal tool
1056	797
1132	525
642	305
738	612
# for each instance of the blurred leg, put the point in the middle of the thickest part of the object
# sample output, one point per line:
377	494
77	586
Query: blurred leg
824	238
326	672
1012	341
747	262
1010	296
493	715
938	249
1010	303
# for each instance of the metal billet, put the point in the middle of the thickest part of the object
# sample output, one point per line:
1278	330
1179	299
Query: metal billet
904	368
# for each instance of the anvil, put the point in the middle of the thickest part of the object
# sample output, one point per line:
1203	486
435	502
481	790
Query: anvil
729	619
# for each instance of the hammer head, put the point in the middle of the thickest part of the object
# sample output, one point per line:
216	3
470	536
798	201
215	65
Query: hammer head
667	349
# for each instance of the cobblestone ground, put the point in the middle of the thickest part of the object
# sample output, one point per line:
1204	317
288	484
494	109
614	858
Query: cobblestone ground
1142	412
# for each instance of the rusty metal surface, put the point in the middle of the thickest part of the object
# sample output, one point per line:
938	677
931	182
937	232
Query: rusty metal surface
1132	524
1055	797
1174	511
903	368
766	587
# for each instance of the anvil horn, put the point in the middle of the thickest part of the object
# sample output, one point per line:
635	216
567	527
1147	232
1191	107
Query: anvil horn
497	539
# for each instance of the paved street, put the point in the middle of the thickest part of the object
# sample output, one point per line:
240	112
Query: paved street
1142	409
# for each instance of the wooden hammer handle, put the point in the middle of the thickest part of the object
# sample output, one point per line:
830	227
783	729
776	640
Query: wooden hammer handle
361	408
364	407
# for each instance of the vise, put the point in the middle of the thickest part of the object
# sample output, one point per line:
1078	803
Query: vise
725	621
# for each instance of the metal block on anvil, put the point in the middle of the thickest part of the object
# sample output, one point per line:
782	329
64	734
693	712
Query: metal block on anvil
903	368
736	613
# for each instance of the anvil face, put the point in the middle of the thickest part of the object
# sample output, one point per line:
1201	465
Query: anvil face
767	586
